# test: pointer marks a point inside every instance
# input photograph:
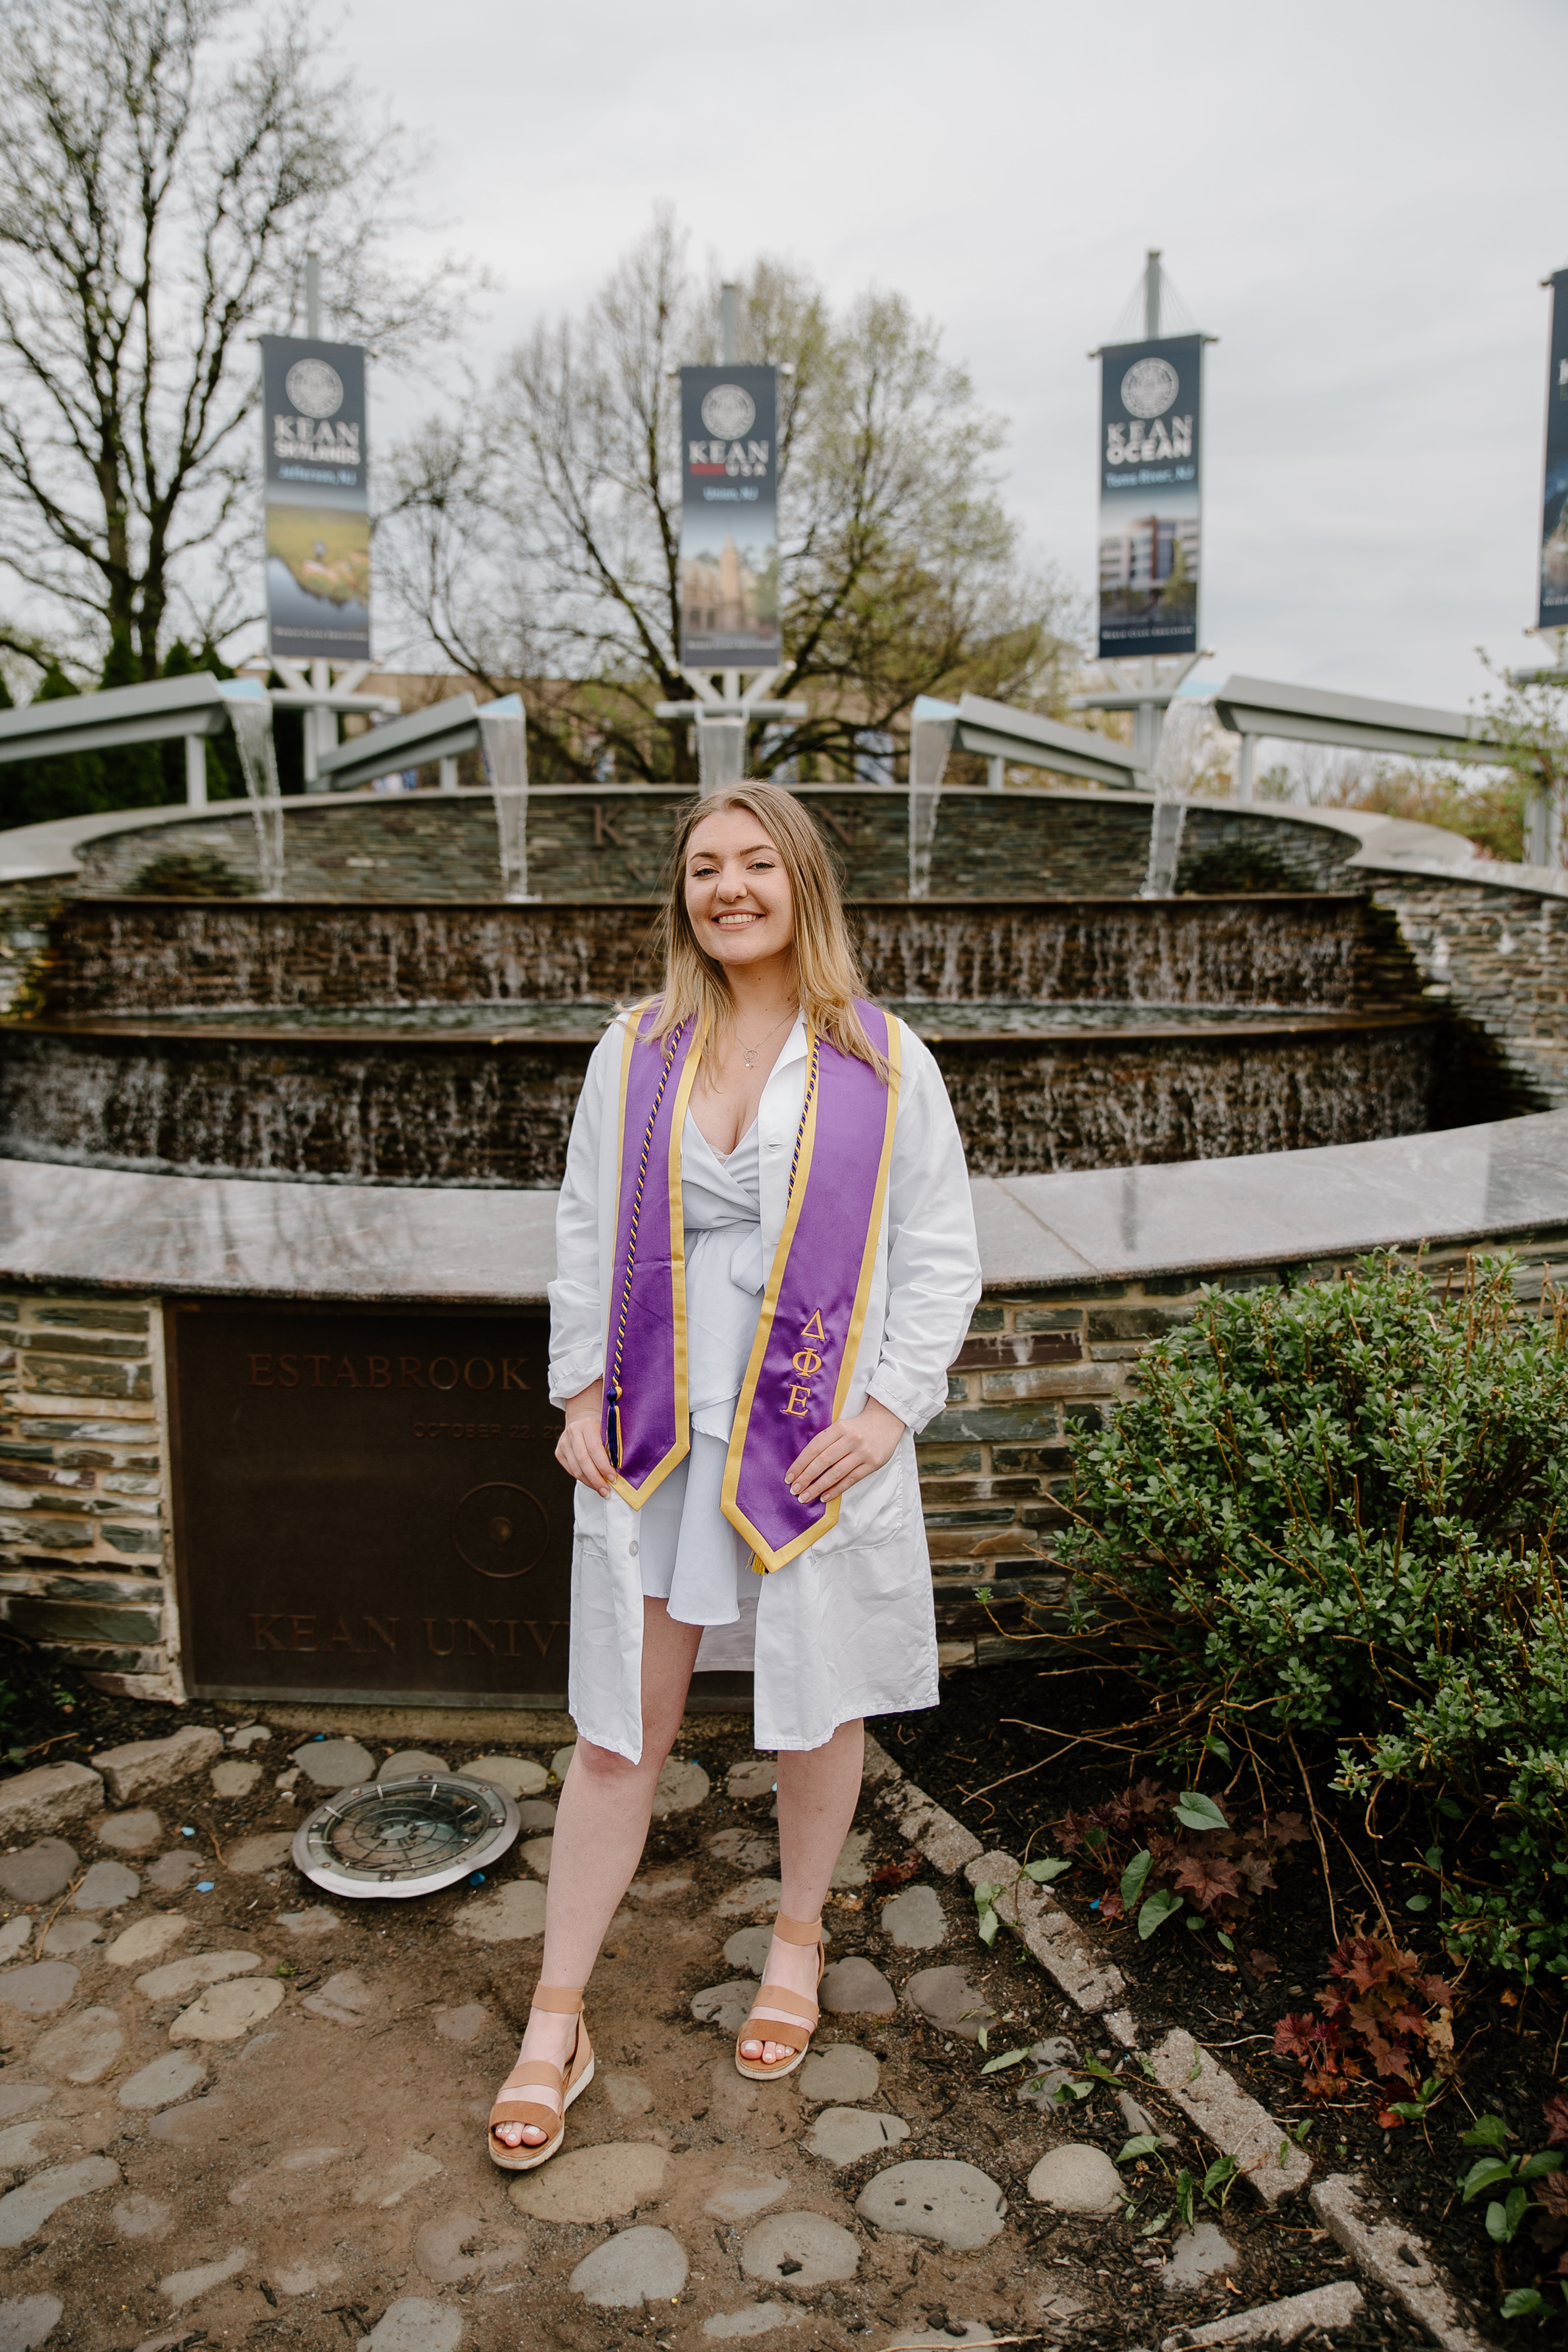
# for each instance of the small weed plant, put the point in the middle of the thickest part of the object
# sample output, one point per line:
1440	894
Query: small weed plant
1175	1854
1339	1511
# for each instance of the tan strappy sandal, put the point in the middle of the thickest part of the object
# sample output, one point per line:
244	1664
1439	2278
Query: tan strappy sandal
513	2104
780	2015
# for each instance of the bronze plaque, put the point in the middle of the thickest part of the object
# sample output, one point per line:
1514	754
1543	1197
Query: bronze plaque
367	1504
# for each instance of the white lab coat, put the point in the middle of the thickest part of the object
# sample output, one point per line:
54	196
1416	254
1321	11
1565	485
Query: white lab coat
847	1629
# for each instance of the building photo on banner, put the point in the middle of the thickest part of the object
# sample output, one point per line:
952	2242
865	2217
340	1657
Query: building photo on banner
729	518
1151	410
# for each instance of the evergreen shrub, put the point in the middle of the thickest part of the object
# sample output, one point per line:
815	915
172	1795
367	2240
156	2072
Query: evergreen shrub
1337	1512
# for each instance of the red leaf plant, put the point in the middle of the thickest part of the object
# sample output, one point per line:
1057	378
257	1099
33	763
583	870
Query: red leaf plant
1376	2022
1220	1871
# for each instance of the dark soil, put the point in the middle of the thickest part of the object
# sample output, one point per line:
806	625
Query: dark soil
980	1755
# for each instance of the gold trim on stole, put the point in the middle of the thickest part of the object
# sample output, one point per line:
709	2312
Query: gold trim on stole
764	1559
637	1495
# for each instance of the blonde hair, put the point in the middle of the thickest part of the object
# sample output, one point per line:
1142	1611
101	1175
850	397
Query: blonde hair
828	968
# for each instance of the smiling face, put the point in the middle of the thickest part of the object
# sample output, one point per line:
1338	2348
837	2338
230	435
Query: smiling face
738	894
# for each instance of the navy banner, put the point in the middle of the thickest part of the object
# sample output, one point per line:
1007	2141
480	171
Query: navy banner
729	518
318	502
1553	607
1150	454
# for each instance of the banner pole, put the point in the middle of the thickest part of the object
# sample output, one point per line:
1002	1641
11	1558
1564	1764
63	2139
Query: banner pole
1151	295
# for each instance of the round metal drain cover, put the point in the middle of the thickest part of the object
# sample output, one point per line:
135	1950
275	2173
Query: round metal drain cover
397	1838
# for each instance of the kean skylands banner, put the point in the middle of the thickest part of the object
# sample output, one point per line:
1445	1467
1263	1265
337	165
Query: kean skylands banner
1149	519
729	518
318	517
1554	611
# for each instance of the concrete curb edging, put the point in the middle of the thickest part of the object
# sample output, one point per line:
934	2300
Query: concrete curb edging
1208	2094
1283	2323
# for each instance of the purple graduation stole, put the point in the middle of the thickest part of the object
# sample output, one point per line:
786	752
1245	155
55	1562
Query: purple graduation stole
814	1308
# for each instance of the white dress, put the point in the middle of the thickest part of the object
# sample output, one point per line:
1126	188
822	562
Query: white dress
847	1629
690	1557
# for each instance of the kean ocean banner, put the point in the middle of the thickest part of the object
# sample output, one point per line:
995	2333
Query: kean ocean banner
318	507
1150	452
1553	609
729	518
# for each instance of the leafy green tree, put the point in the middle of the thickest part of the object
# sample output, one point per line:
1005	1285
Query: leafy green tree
71	783
133	773
226	780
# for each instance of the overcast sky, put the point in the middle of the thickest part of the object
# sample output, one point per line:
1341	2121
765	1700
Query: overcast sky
1360	200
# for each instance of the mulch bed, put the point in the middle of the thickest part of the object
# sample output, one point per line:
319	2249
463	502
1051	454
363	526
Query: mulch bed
980	1757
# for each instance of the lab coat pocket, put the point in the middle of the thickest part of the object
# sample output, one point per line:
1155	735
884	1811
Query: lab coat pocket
873	1513
590	1514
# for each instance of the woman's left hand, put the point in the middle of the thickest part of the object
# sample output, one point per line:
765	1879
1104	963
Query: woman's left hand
844	1454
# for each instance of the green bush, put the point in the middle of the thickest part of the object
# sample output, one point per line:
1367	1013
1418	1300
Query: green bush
1339	1510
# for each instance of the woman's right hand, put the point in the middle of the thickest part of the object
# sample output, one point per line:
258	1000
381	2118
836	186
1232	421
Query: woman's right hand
580	1449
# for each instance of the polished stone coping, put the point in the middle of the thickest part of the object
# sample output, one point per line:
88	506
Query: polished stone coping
92	1228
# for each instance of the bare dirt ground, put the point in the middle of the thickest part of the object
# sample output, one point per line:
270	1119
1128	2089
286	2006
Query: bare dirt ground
287	2144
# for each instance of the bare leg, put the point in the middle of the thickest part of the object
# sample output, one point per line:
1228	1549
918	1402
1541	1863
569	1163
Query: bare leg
819	1789
601	1827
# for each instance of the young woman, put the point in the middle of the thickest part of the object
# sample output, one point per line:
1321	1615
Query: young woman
766	1262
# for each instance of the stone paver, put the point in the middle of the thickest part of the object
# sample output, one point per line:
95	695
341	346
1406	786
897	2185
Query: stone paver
172	2076
727	2006
233	1776
949	2001
40	1987
334	1763
1196	2256
68	1936
744	1848
23	2212
519	1776
1322	2310
800	2250
80	2049
1406	2269
748	1950
679	1787
145	1766
756	2319
839	2073
850	1869
753	1777
1234	2121
227	2010
176	1980
254	1854
854	1988
410	1763
14	1937
317	1921
536	1813
106	1887
413	2324
592	2184
935	2197
345	1999
172	1873
751	1894
633	2267
536	1852
20	2098
250	1735
464	2024
137	1831
846	2134
183	2286
1076	2179
506	1915
739	2196
22	2146
50	1796
26	2319
145	1938
39	1872
915	1919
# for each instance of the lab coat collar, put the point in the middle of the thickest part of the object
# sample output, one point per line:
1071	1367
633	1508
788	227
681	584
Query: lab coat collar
793	1047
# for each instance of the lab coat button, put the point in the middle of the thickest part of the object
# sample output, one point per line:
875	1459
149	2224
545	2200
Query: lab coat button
632	1547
